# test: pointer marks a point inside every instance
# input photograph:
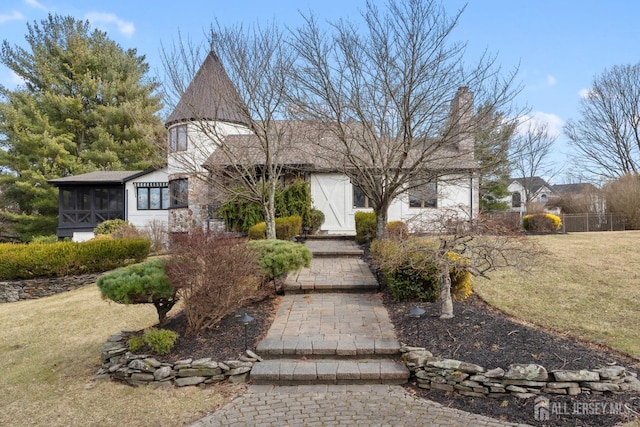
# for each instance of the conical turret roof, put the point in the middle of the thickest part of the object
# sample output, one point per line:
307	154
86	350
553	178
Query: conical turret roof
210	96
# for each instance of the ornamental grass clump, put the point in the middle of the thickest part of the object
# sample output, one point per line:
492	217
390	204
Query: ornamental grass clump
161	341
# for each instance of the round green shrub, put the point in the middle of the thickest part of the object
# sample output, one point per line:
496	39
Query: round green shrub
316	220
109	226
278	257
365	226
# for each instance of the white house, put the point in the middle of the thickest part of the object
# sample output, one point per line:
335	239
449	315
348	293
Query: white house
212	100
530	190
86	200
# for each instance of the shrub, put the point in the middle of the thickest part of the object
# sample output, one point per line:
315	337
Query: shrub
160	341
26	261
398	230
139	284
316	220
286	229
278	257
109	226
541	222
365	226
241	215
411	273
52	238
213	274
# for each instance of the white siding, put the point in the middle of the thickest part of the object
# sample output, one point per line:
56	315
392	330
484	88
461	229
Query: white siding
141	218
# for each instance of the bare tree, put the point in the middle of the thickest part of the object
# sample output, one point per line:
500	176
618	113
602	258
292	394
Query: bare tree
607	136
248	72
530	153
385	92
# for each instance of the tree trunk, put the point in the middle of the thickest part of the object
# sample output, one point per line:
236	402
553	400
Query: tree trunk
446	310
270	212
382	216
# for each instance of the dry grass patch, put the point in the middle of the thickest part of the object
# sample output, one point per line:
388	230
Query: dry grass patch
588	286
50	351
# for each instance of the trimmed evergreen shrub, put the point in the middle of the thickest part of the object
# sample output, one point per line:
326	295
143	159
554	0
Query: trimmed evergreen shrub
109	226
365	226
279	257
27	261
141	283
316	220
258	231
286	229
160	341
52	238
541	222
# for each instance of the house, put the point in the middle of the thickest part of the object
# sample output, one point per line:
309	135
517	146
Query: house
578	198
212	99
530	192
86	200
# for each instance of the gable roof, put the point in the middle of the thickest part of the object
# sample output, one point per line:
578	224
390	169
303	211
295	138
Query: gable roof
104	177
534	183
210	96
578	188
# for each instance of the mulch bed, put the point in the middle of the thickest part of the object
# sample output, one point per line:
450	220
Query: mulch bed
478	334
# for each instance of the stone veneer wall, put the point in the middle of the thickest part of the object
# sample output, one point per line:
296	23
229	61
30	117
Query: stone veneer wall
17	290
520	380
134	369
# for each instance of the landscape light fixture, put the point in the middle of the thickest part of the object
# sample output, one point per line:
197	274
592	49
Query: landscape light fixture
417	313
245	320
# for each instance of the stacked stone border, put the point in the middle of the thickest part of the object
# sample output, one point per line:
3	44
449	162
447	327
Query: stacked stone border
18	290
119	364
520	380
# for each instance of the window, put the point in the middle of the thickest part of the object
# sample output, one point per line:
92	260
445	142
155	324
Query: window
544	198
152	196
516	200
178	138
424	196
179	193
359	198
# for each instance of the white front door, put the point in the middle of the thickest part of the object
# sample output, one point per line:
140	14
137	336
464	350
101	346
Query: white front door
331	193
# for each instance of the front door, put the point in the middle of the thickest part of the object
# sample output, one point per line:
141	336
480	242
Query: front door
332	195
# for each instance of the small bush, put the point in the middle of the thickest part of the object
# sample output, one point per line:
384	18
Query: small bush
258	231
365	226
139	284
398	230
541	222
316	219
160	340
411	273
109	226
288	227
213	274
279	257
135	343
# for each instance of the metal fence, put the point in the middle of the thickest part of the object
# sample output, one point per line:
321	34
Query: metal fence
591	222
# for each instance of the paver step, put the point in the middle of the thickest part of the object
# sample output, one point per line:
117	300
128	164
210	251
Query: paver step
330	237
331	253
293	286
271	348
296	372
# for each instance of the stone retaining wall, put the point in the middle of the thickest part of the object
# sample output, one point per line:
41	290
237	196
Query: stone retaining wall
520	380
18	290
121	365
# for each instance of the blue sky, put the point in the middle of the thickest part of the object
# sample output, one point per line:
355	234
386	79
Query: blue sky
558	45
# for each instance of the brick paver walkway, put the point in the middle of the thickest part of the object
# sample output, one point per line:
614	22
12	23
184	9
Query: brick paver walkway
333	338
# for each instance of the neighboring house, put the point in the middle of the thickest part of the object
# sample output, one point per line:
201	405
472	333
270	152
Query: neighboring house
578	198
211	99
84	201
528	191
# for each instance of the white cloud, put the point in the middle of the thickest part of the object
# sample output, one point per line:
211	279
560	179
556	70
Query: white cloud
536	118
36	4
584	93
14	16
124	27
551	81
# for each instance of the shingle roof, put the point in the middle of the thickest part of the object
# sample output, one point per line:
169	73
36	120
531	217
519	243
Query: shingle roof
313	147
107	177
536	183
578	188
210	96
